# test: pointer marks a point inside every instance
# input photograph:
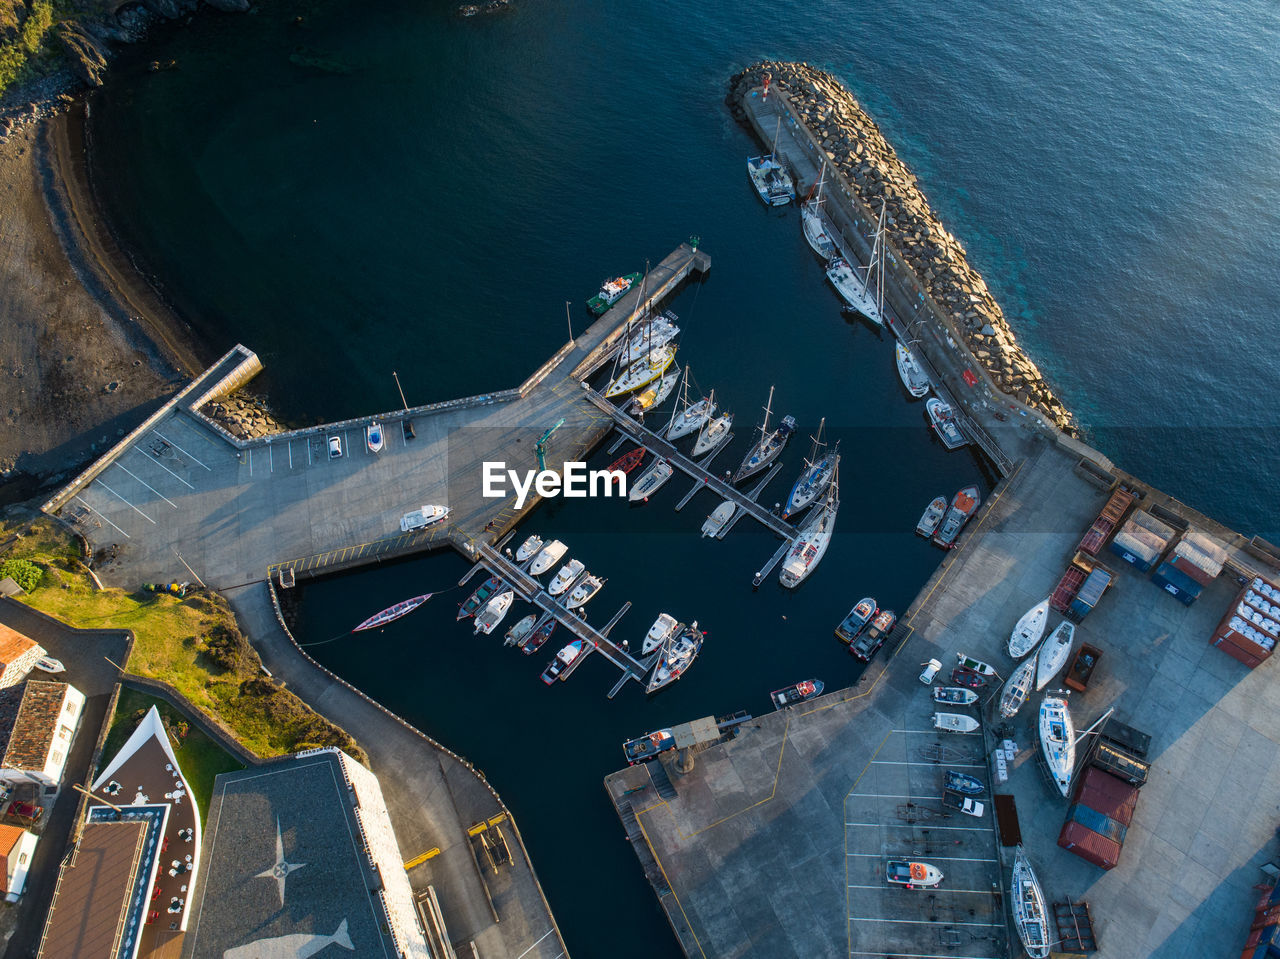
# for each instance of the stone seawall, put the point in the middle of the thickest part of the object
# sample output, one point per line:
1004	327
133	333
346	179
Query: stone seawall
855	146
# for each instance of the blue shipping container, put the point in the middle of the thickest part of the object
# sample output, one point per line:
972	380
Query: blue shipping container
1177	583
1133	560
1092	819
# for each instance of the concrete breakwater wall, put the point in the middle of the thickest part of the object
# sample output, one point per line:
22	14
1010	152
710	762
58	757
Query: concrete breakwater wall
855	147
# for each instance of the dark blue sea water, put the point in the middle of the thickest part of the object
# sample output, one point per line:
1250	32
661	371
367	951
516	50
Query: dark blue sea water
429	202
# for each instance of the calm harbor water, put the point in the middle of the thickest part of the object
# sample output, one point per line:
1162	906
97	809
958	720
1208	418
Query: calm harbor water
402	189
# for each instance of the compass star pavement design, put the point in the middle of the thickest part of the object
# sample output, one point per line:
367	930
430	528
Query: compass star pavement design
280	871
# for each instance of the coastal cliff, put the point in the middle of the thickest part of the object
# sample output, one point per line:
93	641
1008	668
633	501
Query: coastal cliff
855	146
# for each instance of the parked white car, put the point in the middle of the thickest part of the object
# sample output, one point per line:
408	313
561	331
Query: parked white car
930	671
335	447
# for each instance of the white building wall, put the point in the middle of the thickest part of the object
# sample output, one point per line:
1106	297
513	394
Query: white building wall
20	865
16	671
64	735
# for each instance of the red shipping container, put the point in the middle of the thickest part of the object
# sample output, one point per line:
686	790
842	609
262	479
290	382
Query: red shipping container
1240	655
1184	565
1108	795
1241	642
1089	846
1252	941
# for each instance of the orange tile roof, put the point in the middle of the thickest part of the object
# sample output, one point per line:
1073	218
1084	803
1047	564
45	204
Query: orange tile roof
9	837
13	644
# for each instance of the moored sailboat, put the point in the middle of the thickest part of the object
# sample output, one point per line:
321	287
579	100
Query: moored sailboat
772	182
812	543
655	395
676	656
651	332
713	433
911	372
817	228
853	282
687	417
814	478
642	372
767	448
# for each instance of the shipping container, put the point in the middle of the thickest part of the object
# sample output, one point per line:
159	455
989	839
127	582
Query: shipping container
1066	589
1111	514
1143	520
1089	846
1202	550
1126	769
1186	566
1253	662
1178	585
1097	822
1091	590
1133	552
1133	741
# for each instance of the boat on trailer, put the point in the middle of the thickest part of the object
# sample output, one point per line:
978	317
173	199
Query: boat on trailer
1017	688
1054	654
677	655
374	438
1058	740
772	182
1027	902
955	723
964	784
1029	630
955	695
912	875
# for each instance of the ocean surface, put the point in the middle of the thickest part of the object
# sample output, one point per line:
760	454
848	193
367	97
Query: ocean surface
353	191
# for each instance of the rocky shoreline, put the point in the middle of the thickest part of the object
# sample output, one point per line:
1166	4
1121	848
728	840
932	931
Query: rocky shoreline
856	147
243	415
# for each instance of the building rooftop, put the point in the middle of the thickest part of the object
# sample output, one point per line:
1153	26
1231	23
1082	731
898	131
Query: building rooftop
13	645
89	918
9	838
287	857
36	725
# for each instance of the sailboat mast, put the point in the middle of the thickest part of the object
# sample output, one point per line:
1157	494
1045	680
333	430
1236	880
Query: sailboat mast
682	405
768	408
773	152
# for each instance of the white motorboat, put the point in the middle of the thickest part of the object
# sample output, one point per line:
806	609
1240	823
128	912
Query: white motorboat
943	418
1058	740
1026	899
719	517
767	448
1029	630
676	656
559	667
650	333
529	548
663	628
422	518
551	554
713	433
772	182
520	630
954	723
583	593
643	371
811	545
374	438
491	615
912	373
913	875
815	476
567	576
1054	654
1017	688
931	517
651	481
817	228
687	417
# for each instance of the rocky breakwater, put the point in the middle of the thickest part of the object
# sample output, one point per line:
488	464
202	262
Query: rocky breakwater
243	415
856	148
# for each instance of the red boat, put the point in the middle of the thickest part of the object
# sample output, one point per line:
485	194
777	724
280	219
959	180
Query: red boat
963	676
628	461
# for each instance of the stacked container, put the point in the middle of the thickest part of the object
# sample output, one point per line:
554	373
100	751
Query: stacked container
1195	562
1141	540
1099	818
1251	626
1264	931
1111	514
1091	590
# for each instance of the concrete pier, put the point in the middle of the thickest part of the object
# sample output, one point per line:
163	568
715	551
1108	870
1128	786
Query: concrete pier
774	844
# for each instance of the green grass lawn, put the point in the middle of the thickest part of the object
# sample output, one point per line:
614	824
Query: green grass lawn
194	644
200	757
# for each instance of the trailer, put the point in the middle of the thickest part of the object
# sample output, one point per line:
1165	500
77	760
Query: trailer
1082	667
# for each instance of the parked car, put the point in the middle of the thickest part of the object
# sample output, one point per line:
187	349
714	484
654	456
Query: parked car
25	810
966	804
930	671
335	447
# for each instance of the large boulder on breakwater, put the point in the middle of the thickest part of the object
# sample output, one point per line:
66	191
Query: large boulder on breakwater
88	54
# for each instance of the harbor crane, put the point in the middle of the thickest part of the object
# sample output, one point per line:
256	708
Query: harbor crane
541	447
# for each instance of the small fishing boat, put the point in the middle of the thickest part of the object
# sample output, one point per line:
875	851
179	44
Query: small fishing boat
719	517
628	461
954	723
567	576
562	661
713	433
492	613
772	182
814	477
520	631
767	448
655	395
811	545
529	548
663	628
1029	629
813	220
373	437
392	613
422	518
584	592
932	517
964	784
47	664
857	620
649	334
538	637
943	418
968	677
913	875
551	554
1026	899
911	372
651	480
977	665
869	643
479	597
955	695
1058	740
1017	688
797	693
642	372
1054	654
611	291
676	656
646	747
963	506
